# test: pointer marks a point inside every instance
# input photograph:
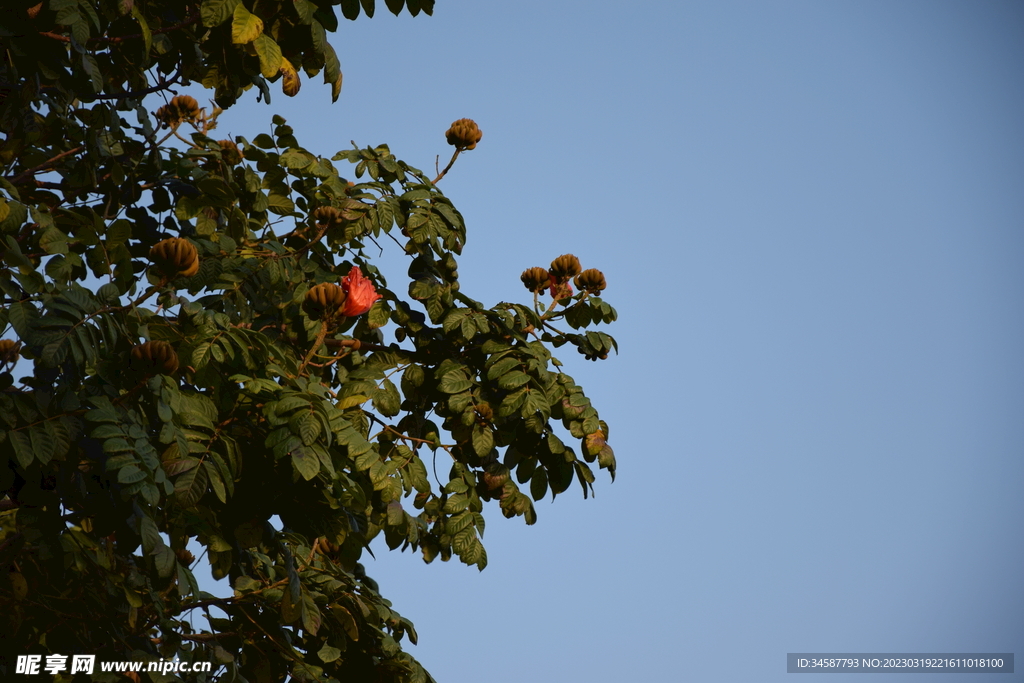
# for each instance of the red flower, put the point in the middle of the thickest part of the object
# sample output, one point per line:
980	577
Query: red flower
559	290
360	291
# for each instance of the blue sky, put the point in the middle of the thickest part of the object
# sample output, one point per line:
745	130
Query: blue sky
811	219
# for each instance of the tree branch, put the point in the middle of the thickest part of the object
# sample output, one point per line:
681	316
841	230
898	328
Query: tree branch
120	39
24	175
140	93
448	167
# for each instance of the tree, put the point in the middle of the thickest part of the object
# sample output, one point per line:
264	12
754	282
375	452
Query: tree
206	336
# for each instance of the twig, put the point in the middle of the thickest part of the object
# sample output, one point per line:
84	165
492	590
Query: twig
448	167
357	345
43	166
120	39
159	86
312	350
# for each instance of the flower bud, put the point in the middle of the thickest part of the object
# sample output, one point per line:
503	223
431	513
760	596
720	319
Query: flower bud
325	300
9	351
464	134
564	267
175	257
485	411
536	279
154	358
229	152
180	108
326	217
591	280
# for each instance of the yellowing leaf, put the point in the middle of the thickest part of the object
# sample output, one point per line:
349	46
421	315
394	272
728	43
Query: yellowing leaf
270	55
245	26
291	83
350	401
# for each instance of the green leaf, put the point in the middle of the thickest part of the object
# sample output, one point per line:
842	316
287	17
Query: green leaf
328	654
539	483
163	558
483	439
305	10
269	53
455	382
53	241
297	159
216	12
22	448
281	204
311	619
190	486
147	34
92	68
348	622
130	474
513	380
386	400
305	461
245	26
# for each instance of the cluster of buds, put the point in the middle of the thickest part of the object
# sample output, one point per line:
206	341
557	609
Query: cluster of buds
229	152
556	278
9	351
325	217
325	301
175	257
328	301
464	134
154	358
180	108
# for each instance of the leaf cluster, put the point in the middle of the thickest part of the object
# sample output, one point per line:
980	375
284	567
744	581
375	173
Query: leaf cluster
284	444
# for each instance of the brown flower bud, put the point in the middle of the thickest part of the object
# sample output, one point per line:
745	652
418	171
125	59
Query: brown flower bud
229	152
185	557
326	217
326	547
564	267
591	280
9	351
325	300
154	358
175	257
485	411
536	279
464	134
180	108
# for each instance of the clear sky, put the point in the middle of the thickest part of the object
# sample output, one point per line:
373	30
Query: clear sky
811	219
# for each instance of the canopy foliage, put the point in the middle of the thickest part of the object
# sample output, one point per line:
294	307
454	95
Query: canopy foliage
232	393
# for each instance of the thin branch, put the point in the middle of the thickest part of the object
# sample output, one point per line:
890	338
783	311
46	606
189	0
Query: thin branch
45	165
316	345
357	345
120	39
163	84
448	167
199	637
